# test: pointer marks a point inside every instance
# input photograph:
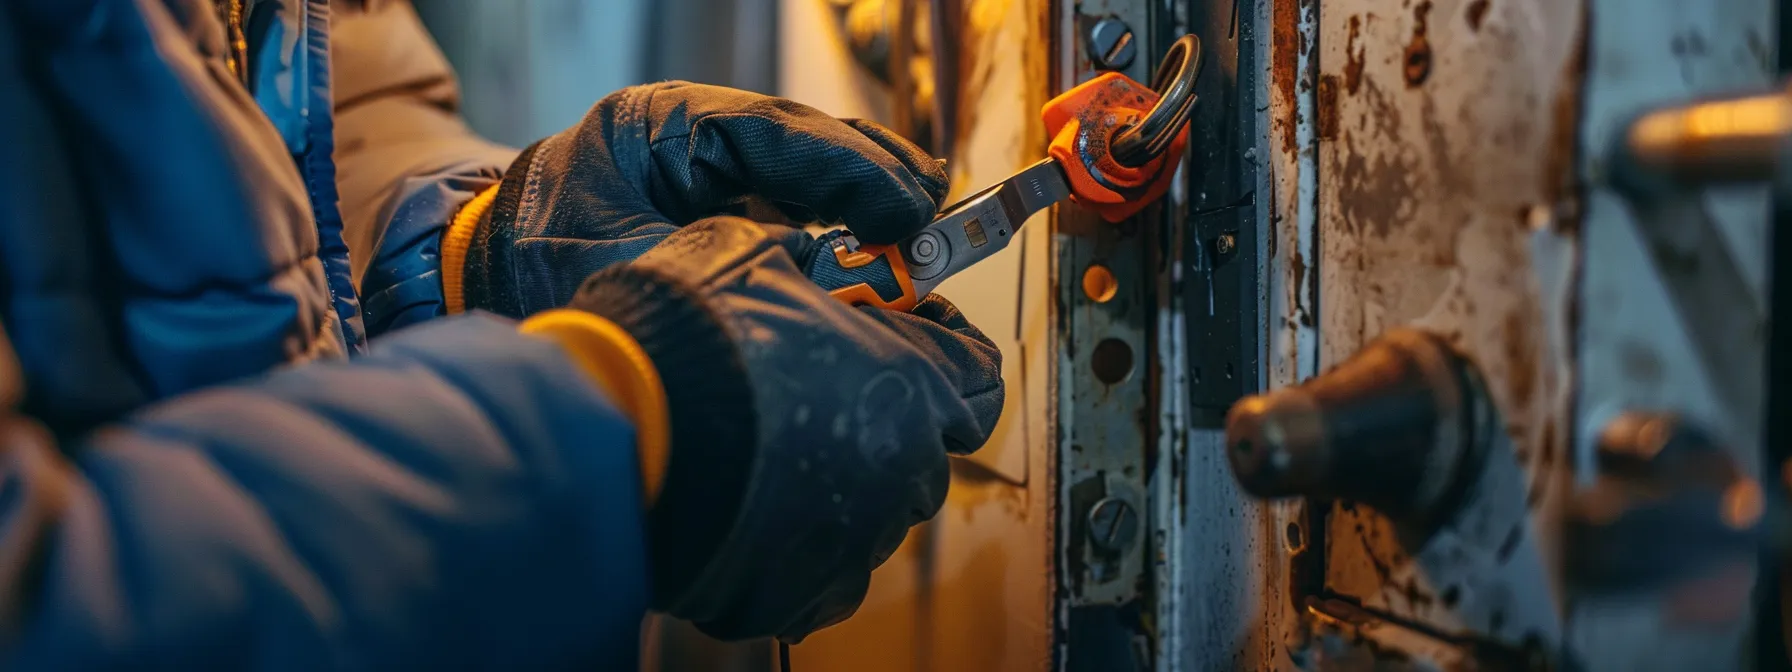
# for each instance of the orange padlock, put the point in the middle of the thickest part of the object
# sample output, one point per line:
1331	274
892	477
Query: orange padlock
1115	147
1089	124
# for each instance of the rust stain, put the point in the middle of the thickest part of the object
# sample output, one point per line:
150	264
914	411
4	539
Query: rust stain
1477	13
1453	176
1419	174
1416	597
1418	50
1383	568
1298	264
1377	188
1312	307
1285	45
1110	107
1327	110
1539	472
1548	449
1560	183
1303	46
1522	362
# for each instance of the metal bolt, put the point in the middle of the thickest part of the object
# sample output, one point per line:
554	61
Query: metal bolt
1225	243
1113	525
925	249
1110	44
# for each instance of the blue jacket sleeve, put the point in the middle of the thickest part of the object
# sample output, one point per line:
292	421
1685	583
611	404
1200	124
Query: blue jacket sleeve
459	498
406	161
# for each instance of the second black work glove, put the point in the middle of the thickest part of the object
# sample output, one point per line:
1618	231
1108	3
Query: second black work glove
649	159
807	436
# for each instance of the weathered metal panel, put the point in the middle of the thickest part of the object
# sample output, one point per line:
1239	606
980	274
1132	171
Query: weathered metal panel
1105	377
1102	347
1672	300
1227	597
1220	226
1442	126
1289	63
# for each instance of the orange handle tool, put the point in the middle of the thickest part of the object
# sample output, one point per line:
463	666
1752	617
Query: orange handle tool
864	275
1084	123
1115	147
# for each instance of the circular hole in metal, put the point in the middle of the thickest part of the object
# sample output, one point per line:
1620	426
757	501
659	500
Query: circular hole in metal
1295	538
1099	283
1111	361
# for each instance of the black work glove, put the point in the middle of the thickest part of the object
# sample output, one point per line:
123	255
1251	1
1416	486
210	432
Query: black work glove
807	435
648	159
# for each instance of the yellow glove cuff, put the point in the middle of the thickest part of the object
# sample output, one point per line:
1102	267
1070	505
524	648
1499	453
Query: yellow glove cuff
612	358
455	243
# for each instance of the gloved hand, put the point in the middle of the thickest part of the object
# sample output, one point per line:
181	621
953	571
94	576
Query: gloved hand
648	159
807	435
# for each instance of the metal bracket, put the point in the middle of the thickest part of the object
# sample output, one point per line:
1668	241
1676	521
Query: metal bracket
1127	383
1221	256
1102	376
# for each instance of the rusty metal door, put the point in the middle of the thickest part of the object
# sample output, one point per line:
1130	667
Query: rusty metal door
1496	314
1446	134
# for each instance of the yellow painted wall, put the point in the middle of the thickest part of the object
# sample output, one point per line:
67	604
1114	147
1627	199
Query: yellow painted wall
972	589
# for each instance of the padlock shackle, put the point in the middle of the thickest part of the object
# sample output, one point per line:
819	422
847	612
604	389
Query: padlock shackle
1174	82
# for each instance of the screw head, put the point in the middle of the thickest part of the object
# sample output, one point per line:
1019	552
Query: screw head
1225	243
1113	525
1110	44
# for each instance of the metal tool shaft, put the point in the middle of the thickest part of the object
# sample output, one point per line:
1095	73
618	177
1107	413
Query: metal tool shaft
981	225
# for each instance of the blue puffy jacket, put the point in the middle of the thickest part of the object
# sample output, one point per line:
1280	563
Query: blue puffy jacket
183	186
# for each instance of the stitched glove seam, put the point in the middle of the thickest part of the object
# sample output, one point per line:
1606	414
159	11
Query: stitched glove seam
478	270
634	113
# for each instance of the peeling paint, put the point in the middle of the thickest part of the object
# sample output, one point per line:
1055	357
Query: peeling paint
1477	13
1296	115
1286	43
1439	137
1298	266
1328	107
1418	50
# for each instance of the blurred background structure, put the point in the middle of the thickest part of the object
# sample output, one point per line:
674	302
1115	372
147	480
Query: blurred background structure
532	67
